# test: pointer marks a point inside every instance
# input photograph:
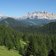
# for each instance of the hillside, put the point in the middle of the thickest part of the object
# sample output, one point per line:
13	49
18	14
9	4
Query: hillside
32	41
5	52
23	22
11	39
48	28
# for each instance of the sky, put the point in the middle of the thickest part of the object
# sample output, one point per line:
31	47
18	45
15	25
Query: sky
22	7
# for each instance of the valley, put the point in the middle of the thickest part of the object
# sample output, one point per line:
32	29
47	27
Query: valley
27	39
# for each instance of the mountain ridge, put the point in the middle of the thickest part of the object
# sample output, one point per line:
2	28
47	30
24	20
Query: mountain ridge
40	15
35	15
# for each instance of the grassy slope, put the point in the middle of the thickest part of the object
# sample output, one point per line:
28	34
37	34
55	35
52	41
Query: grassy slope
5	52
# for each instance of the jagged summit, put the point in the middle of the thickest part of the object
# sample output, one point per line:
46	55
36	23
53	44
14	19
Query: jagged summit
35	15
40	15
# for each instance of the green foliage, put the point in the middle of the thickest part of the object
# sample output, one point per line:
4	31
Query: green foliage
29	43
5	52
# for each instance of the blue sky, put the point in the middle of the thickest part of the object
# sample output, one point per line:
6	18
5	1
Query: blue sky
21	7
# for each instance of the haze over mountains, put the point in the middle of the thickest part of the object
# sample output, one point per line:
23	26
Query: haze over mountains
30	19
35	15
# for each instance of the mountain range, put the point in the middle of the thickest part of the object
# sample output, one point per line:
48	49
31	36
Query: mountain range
40	15
30	20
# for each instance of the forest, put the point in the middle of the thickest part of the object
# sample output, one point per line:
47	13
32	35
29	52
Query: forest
29	41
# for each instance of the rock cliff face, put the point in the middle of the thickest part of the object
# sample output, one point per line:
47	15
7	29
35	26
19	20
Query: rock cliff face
35	15
40	15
